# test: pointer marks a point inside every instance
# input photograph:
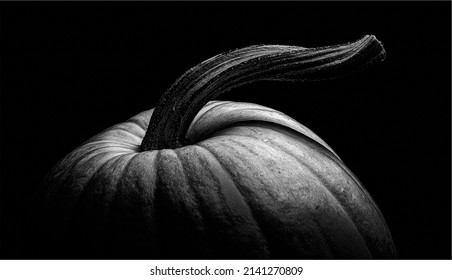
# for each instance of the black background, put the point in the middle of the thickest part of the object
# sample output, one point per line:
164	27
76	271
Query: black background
70	70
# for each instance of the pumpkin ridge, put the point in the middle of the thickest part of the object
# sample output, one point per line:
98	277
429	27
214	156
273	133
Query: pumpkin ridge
136	122
331	194
312	142
85	186
243	112
150	190
381	219
367	196
159	230
93	155
118	188
358	183
245	147
78	156
263	109
323	143
156	187
153	166
66	209
97	207
374	206
196	219
117	127
219	103
202	116
66	176
318	227
219	128
111	144
134	161
250	210
205	218
355	179
213	156
187	181
95	152
266	225
197	195
104	136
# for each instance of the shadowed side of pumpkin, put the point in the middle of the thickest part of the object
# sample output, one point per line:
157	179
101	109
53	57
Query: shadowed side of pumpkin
199	179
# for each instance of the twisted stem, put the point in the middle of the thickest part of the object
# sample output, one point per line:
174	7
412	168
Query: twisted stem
219	74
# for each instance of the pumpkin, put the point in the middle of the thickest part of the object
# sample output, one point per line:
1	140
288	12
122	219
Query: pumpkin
195	178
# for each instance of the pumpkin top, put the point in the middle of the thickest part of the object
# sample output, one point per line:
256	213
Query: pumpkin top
180	104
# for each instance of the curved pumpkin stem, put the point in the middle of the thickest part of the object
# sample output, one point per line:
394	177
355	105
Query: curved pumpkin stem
219	74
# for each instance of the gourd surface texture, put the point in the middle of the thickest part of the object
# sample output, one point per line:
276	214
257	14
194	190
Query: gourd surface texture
248	182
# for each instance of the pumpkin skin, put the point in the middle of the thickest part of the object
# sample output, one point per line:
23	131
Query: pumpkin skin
254	184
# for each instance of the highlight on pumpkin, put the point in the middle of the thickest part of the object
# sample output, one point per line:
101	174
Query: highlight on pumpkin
205	179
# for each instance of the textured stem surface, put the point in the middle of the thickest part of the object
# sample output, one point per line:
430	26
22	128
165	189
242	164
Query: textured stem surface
219	74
